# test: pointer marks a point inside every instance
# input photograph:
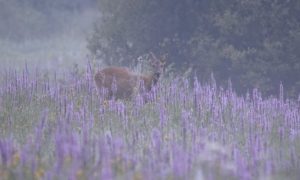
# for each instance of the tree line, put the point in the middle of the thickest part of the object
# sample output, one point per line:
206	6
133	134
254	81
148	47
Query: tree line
255	44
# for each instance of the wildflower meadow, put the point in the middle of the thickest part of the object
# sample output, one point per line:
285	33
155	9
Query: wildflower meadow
58	127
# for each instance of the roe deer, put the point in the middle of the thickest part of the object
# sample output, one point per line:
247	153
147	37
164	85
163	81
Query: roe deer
121	83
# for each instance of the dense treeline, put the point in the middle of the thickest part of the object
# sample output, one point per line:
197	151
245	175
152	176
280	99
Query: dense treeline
27	19
255	43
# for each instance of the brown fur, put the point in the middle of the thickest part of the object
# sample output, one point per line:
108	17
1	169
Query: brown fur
127	83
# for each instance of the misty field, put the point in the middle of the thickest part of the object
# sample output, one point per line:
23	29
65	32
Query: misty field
57	127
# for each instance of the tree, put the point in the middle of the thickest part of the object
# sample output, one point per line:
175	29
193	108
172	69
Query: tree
130	28
254	43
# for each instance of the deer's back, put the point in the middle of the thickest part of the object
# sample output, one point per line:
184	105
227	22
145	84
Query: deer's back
122	79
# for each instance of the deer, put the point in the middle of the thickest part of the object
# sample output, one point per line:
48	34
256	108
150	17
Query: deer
122	83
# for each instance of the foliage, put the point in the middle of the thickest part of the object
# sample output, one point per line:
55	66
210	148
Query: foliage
60	129
254	43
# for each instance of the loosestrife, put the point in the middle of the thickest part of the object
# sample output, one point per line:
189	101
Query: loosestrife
57	126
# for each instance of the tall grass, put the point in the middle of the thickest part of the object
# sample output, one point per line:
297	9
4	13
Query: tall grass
58	128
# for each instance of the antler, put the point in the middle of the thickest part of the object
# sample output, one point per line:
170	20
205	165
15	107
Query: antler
158	62
164	58
153	56
154	62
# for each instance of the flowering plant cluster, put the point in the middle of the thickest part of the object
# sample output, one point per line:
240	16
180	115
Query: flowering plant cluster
59	128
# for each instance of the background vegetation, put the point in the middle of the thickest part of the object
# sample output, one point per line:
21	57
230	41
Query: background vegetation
254	43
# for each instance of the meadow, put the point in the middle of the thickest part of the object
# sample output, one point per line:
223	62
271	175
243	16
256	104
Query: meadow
57	127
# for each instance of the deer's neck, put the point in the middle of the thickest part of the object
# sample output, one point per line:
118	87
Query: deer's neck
154	77
149	80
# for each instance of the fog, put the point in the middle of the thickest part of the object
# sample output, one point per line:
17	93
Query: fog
44	34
